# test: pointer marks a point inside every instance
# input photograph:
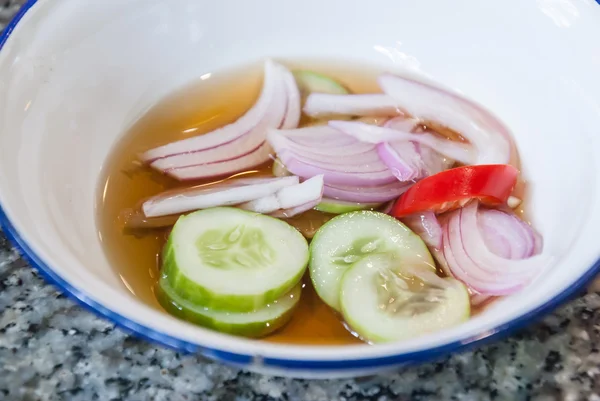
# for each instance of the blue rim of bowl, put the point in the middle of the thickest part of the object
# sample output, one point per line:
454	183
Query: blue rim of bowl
242	360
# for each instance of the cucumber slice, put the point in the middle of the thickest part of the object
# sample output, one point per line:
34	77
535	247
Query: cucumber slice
382	304
313	82
334	206
348	238
233	260
255	324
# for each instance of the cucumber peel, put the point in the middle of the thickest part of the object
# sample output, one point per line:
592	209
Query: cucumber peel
254	324
334	206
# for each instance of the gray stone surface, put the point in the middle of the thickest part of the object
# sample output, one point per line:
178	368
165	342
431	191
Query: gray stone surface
52	349
7	9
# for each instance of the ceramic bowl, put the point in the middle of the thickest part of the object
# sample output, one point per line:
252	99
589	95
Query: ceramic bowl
75	75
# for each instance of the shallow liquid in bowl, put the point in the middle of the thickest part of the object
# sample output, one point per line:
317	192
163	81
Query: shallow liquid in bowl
213	101
203	106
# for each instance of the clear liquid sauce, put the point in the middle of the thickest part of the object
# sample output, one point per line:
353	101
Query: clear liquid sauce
196	109
201	107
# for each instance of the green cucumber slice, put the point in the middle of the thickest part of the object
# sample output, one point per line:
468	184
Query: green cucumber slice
347	238
334	206
234	260
314	82
382	304
254	324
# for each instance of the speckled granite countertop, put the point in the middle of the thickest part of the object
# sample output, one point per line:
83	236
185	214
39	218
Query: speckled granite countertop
7	9
52	349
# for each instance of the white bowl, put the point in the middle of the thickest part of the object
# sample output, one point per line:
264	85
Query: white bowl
74	75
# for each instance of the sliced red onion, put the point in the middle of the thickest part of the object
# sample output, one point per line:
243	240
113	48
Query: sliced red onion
330	142
402	159
486	260
471	214
231	192
359	194
297	195
245	124
290	197
244	145
354	164
341	154
324	143
402	123
264	205
223	167
311	136
464	269
485	132
294	211
462	152
471	273
369	161
321	104
356	174
293	111
426	226
368	133
506	235
433	162
329	146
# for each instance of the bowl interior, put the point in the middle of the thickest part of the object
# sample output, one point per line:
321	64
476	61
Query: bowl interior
74	77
